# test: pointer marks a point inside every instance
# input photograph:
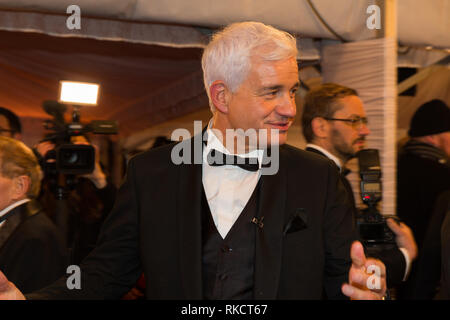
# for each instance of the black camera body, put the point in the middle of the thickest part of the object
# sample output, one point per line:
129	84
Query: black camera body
371	224
68	158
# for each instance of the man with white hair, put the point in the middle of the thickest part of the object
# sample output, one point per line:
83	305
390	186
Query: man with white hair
31	254
212	229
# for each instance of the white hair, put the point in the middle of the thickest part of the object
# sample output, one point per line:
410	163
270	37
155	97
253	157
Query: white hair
228	56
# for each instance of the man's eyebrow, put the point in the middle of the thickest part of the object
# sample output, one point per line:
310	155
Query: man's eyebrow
276	87
271	88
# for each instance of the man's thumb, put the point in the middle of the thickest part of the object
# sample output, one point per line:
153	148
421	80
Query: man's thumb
357	254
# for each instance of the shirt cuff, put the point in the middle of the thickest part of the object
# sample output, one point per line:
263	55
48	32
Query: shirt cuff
408	263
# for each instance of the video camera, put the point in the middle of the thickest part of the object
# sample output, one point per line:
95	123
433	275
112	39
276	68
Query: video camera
371	224
68	158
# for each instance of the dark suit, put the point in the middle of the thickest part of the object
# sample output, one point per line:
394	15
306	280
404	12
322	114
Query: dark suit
422	177
427	269
393	259
155	226
32	254
445	249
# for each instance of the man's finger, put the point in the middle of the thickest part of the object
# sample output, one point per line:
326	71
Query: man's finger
3	281
358	294
8	291
358	277
394	226
357	254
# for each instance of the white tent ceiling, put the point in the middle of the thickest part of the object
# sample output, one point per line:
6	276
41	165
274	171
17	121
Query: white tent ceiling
420	23
146	54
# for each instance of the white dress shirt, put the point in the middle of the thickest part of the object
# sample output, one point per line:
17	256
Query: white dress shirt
10	207
227	188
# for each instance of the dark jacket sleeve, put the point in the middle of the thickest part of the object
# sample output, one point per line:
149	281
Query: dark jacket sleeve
339	235
113	267
445	251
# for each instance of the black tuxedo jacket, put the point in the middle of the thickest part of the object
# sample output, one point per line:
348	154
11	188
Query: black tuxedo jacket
302	251
32	252
393	259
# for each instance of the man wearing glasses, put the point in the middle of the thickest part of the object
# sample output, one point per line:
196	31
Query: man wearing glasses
335	126
9	124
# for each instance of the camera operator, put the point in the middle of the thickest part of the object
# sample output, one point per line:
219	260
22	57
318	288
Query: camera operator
88	201
335	126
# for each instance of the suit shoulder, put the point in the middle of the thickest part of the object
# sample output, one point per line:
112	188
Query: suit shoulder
39	227
159	155
306	157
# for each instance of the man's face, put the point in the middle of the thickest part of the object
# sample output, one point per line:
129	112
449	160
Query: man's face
266	99
6	191
4	125
347	139
444	142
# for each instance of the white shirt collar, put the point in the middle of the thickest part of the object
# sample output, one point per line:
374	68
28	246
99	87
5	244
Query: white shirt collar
215	143
11	207
327	153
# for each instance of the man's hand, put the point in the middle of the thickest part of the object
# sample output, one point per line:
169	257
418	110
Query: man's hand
403	237
97	176
44	147
367	276
8	290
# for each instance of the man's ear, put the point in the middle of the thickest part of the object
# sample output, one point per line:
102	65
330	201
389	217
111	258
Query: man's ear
21	186
219	94
320	127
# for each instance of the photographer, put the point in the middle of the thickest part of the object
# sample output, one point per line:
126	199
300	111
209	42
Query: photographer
423	175
89	199
335	126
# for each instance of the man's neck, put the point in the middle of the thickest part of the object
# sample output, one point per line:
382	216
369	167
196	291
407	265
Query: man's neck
232	145
329	148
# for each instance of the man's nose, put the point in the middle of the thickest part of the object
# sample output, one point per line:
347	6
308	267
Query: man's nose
364	130
287	107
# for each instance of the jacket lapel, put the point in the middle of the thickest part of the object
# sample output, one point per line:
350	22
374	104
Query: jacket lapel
189	224
269	239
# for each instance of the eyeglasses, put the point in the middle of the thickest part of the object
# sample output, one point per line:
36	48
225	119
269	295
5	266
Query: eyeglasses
356	122
6	130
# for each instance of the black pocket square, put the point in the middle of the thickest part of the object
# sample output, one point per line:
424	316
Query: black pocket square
297	222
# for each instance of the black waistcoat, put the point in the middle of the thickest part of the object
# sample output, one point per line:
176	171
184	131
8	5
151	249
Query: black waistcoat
228	264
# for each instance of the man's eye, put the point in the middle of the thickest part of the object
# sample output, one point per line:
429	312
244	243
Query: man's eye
293	92
271	94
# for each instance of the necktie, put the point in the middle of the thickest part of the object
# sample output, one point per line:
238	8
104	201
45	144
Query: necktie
216	158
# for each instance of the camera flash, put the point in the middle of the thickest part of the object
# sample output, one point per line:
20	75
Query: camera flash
81	93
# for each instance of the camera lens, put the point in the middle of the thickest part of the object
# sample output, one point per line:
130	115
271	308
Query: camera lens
70	157
75	159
